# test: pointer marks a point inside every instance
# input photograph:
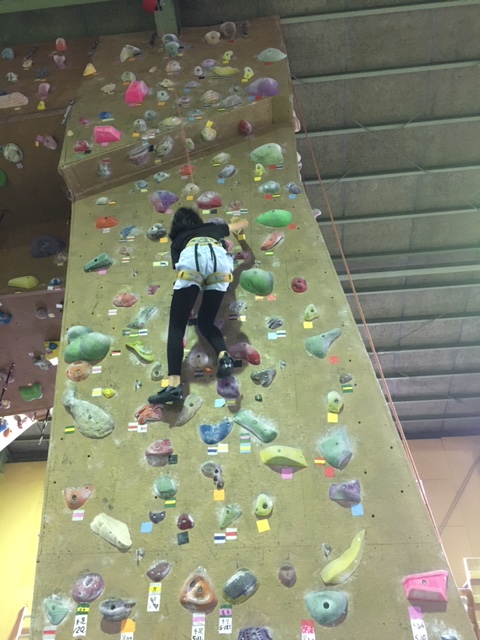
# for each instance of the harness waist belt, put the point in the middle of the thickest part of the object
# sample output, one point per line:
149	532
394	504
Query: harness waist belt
203	241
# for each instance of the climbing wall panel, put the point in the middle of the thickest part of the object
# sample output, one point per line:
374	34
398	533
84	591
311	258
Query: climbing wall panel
331	464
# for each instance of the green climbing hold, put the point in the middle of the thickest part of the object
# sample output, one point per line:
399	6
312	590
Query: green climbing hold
336	448
3	179
165	487
102	261
270	153
275	218
257	281
328	608
91	347
334	402
249	421
318	346
311	313
229	514
263	506
77	331
31	392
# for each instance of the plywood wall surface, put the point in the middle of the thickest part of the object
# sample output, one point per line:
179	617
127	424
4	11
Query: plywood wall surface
400	538
102	101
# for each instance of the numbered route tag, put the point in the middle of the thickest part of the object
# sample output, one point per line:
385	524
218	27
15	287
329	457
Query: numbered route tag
419	629
154	596
81	619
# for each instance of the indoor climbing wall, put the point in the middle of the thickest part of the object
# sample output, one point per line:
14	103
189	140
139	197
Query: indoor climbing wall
278	503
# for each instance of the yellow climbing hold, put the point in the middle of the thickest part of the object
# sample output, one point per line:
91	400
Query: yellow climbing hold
89	70
225	71
108	393
342	568
283	456
24	282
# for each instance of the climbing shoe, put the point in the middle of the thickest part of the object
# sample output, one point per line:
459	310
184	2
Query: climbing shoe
167	394
225	366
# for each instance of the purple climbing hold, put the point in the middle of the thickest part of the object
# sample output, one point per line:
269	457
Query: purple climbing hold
88	588
254	633
264	88
228	387
163	200
44	246
346	494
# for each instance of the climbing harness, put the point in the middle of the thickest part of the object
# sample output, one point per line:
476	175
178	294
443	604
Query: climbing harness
196	276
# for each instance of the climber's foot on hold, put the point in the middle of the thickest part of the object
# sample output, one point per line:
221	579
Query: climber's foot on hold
167	394
225	365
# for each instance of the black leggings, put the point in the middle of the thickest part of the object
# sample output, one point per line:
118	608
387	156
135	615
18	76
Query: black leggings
183	301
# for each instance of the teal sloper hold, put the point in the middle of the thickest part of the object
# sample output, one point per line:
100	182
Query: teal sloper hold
257	281
318	346
328	608
249	421
275	218
336	448
56	608
271	55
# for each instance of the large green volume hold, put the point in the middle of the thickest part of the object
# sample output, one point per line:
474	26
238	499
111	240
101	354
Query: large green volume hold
257	281
275	218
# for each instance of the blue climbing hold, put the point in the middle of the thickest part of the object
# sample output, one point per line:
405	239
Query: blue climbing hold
215	433
105	115
3	425
127	231
5	317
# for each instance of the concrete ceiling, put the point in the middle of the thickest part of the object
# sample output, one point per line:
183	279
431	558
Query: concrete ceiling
389	93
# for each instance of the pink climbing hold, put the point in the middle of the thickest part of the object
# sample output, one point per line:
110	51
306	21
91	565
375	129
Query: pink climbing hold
299	285
106	133
245	128
137	92
430	586
245	351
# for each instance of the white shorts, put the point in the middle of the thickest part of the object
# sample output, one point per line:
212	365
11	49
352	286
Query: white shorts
206	266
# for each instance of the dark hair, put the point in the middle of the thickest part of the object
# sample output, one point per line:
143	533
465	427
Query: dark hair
183	219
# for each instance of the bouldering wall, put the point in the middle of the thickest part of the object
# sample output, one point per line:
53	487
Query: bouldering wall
37	84
275	504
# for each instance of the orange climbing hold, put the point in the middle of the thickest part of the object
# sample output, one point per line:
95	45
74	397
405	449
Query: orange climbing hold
106	222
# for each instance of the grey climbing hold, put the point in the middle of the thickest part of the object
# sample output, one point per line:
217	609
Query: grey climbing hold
241	586
318	346
90	420
336	448
191	405
264	378
328	608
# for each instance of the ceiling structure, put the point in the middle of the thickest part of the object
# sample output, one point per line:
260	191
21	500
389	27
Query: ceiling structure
388	93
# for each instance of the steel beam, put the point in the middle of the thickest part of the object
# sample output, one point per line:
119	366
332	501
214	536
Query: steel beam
429	417
379	11
429	347
392	126
410	253
405	273
420	375
390	71
435	398
393	174
395	216
463	315
419	287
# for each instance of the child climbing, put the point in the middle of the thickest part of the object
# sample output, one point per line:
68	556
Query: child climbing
200	258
